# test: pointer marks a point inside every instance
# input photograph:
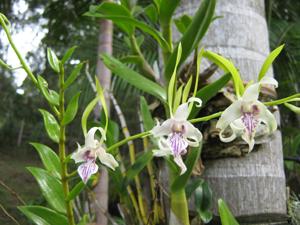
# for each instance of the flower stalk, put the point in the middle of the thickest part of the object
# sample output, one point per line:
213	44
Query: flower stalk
62	148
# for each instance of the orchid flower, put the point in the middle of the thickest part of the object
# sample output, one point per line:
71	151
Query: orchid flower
176	134
246	115
88	154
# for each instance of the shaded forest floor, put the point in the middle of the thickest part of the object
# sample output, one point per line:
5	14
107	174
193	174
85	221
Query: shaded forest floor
13	173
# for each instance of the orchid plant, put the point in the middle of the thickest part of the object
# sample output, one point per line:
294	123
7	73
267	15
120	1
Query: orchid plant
176	138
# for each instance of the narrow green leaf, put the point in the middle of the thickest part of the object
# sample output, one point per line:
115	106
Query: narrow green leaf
51	125
172	84
227	66
193	35
182	23
53	60
192	186
226	216
146	114
203	201
49	158
180	182
50	95
110	10
128	23
140	163
68	54
43	216
74	74
166	10
87	112
152	13
51	188
132	59
268	62
113	133
75	191
103	102
133	77
187	88
209	91
71	109
177	99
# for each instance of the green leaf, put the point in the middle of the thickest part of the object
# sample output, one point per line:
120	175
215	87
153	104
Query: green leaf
132	59
151	12
180	182
109	10
43	216
226	216
68	54
192	186
209	91
86	114
74	74
140	163
51	188
187	88
128	23
182	23
193	35
268	62
146	114
113	133
100	93
227	66
53	60
71	110
134	78
203	201
50	95
75	191
177	99
51	125
166	10
172	83
49	158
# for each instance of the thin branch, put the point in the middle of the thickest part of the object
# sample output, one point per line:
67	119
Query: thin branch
10	190
9	215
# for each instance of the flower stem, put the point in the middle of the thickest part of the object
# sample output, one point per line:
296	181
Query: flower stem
62	149
281	101
206	118
124	141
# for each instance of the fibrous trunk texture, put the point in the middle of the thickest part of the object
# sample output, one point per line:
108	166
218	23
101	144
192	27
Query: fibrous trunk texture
253	185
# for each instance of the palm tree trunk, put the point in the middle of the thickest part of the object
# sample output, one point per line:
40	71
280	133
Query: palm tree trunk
104	75
254	185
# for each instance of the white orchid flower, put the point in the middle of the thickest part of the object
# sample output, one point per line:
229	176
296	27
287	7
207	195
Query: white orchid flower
246	115
88	154
176	134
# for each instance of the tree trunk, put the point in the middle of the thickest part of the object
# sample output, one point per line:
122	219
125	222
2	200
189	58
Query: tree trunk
253	185
104	76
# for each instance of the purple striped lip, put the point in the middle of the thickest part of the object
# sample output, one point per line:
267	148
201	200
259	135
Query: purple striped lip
178	144
250	122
